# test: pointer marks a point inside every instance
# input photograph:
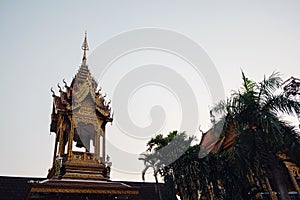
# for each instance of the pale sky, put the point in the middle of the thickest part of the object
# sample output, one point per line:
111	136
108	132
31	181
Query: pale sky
41	46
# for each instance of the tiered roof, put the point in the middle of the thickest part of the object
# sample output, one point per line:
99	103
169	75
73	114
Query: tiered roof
82	85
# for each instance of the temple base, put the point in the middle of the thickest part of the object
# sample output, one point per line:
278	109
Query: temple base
81	165
81	189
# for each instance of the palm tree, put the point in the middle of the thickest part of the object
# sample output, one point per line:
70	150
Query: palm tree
253	114
165	155
161	153
151	161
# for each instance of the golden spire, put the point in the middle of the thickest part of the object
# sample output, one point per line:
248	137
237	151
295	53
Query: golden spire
84	47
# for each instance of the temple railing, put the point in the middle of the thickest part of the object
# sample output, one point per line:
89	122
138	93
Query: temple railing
84	156
293	195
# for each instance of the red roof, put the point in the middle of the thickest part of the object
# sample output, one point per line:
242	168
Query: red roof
212	142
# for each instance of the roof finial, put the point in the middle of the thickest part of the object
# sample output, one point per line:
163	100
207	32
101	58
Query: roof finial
84	47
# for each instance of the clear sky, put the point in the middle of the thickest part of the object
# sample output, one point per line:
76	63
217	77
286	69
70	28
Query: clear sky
41	43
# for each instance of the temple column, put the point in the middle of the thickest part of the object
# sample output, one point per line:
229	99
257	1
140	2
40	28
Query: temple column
104	143
61	138
250	177
70	141
103	148
292	173
272	193
97	145
55	148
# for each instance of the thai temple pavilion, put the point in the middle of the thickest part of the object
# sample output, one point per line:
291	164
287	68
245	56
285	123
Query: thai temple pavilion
78	119
80	169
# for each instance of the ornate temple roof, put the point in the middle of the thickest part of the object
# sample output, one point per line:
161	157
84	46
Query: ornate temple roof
82	85
83	73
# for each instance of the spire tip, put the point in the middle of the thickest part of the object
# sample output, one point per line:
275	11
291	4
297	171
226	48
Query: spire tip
84	47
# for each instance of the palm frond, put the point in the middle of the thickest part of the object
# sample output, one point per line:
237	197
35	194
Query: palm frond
280	103
248	85
268	86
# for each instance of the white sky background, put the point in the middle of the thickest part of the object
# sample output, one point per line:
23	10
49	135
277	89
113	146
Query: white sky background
41	46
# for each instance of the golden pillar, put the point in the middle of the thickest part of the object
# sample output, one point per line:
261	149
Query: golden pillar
272	193
70	140
55	148
103	149
61	138
97	145
293	172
